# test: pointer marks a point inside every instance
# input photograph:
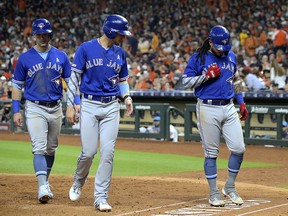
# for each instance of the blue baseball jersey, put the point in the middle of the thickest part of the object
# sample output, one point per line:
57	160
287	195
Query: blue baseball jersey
101	69
42	79
221	87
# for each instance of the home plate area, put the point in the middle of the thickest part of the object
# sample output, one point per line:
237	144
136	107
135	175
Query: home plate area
207	209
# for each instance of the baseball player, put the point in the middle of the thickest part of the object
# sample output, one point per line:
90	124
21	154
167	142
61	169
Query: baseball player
40	70
156	129
100	69
212	73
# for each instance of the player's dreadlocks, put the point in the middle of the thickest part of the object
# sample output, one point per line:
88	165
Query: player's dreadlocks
203	50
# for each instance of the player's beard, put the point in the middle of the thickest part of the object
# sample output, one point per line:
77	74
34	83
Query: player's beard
117	41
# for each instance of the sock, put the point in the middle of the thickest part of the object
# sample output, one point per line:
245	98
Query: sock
40	168
234	165
50	162
210	168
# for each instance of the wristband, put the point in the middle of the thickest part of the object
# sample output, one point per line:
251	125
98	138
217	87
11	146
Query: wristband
127	97
77	100
124	88
239	98
16	106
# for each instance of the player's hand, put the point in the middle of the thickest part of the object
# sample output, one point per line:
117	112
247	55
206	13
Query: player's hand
18	119
77	113
129	106
243	112
70	115
213	71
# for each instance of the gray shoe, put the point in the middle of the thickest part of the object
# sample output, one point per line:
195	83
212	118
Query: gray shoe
234	196
216	201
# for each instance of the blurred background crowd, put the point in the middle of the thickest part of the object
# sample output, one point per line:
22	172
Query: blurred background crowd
165	34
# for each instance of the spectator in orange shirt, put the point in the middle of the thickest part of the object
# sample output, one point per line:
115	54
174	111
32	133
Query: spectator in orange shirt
280	38
155	41
250	44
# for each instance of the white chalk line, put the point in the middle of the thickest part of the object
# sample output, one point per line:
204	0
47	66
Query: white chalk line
159	207
263	209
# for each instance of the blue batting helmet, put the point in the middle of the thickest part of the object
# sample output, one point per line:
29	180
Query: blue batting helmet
114	24
157	118
41	26
220	38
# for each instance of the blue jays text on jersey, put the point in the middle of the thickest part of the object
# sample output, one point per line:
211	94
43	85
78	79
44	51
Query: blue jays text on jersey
101	69
42	78
222	87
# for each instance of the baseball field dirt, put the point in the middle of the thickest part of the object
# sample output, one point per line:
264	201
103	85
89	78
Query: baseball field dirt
163	195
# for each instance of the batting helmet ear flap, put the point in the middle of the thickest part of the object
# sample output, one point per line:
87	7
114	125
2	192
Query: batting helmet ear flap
110	34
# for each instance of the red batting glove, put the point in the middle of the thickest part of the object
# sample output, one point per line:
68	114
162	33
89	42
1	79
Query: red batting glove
213	71
243	112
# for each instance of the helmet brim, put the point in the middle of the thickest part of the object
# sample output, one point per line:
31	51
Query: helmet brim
126	33
223	48
45	31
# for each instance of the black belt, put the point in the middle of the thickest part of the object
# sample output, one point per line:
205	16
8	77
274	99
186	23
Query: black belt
49	104
102	99
217	102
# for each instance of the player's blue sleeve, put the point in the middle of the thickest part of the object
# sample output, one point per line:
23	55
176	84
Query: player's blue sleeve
19	75
123	75
73	85
192	76
79	61
66	69
232	58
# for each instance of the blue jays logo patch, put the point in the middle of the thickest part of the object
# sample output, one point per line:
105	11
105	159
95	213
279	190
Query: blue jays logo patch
114	81
40	25
225	41
57	81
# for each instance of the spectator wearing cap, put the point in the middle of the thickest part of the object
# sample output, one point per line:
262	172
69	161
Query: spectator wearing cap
285	130
156	129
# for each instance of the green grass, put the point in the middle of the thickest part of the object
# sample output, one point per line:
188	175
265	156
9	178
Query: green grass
17	158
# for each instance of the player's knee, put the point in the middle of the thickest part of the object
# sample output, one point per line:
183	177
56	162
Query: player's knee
108	156
211	153
239	150
50	151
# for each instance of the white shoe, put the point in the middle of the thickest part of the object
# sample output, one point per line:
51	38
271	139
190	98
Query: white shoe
104	207
51	195
75	192
43	194
234	197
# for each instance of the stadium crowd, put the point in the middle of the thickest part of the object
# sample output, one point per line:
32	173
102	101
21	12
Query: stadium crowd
165	34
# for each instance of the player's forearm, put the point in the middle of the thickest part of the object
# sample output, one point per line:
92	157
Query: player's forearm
73	86
238	88
16	93
193	82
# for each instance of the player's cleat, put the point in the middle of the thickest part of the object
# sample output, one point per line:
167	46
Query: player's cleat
51	195
234	197
75	192
43	194
104	207
216	201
